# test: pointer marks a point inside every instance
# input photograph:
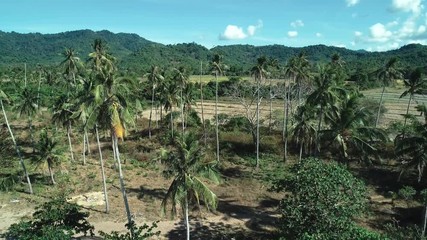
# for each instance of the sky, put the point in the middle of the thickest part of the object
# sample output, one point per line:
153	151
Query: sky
373	25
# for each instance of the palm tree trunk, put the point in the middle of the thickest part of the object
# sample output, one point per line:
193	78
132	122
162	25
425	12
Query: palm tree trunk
201	100
87	142
423	233
114	153
69	141
38	89
171	114
21	160
379	107
84	149
30	126
300	150
271	109
182	113
319	125
257	125
25	74
286	124
285	102
151	113
187	222
51	173
407	112
216	117
101	162
122	184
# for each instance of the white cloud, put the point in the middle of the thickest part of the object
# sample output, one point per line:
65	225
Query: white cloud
351	3
253	28
292	34
319	35
358	34
340	45
379	33
414	6
297	23
232	32
421	29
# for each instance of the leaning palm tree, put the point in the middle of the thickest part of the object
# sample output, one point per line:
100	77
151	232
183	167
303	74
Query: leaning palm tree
259	72
186	165
3	96
387	74
154	77
48	153
415	85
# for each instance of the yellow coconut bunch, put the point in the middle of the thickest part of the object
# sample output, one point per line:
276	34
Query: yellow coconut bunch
117	126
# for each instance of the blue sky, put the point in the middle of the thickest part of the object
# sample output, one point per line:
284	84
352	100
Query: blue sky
373	25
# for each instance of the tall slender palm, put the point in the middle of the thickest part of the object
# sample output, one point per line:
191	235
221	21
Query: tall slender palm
3	96
216	66
154	77
63	115
303	131
169	97
186	166
274	65
27	106
101	61
48	153
415	85
71	65
181	76
201	103
387	74
325	94
259	72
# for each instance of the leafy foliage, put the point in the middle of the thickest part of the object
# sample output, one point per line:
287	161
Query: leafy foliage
134	232
324	199
56	219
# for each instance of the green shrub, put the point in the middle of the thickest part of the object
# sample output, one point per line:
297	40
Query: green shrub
56	219
325	198
134	232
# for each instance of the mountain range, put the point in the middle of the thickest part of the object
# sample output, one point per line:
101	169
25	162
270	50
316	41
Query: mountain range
136	53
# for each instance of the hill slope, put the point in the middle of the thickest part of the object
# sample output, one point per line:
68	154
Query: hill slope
137	54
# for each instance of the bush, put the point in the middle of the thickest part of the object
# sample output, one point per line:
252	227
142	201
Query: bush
325	197
57	219
134	232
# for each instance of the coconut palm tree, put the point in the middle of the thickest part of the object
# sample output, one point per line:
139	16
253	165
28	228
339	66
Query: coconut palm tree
4	97
181	77
101	61
348	128
412	149
259	72
48	153
71	65
415	85
63	115
303	131
154	77
216	67
387	74
325	94
187	168
27	106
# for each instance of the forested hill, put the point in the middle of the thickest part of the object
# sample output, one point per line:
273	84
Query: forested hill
137	54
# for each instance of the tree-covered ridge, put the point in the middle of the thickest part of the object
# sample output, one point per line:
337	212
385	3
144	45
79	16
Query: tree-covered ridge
137	54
